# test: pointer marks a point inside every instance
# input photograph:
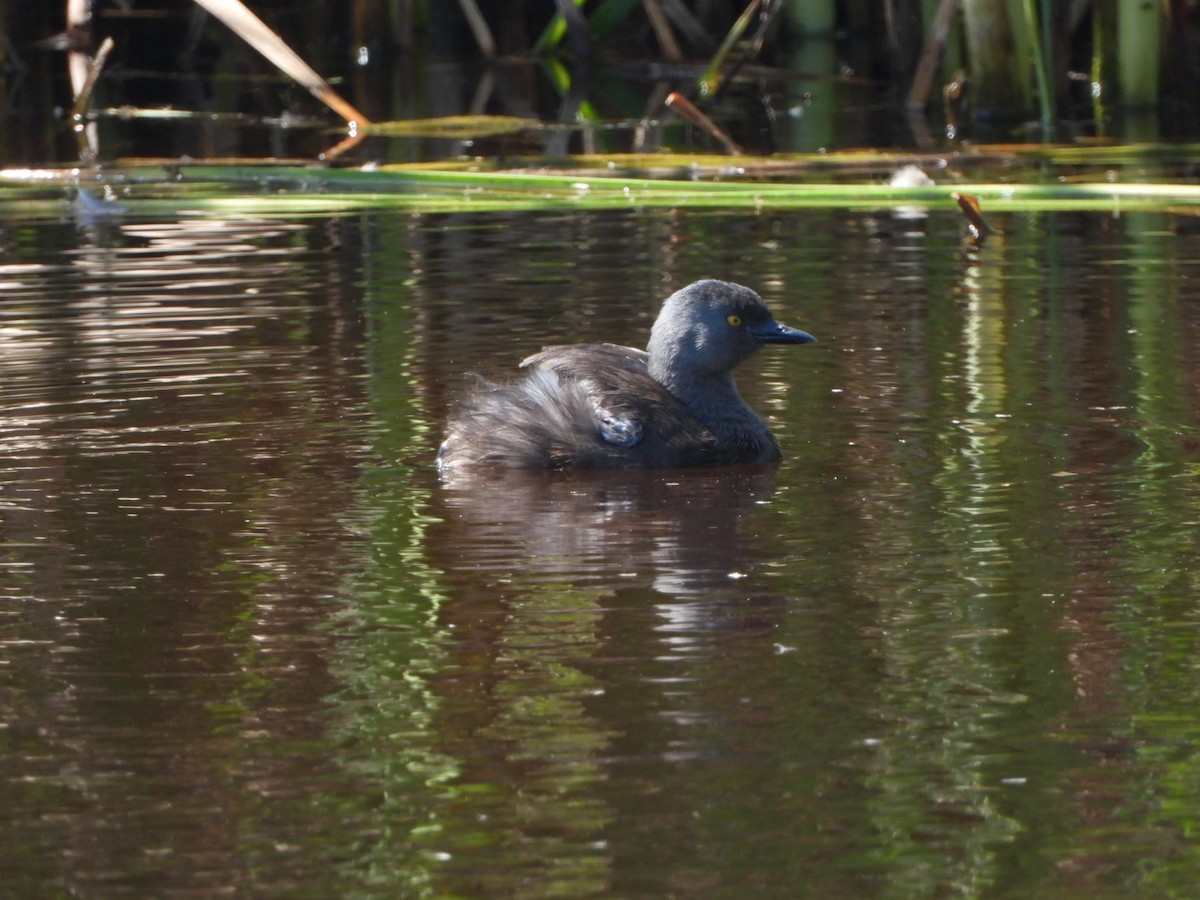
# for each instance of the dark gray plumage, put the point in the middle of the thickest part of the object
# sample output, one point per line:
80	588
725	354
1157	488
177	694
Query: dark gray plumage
606	406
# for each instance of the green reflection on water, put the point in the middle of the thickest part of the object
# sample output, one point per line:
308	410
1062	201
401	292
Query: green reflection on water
1158	511
981	550
419	710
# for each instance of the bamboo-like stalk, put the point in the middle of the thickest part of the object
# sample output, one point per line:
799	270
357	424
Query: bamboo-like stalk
1041	63
1139	46
1101	44
812	16
999	57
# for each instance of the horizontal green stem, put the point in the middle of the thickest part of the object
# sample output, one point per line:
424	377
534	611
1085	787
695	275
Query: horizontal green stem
255	190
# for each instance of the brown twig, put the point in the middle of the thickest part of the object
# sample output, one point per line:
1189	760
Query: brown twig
969	204
931	54
662	30
254	31
688	110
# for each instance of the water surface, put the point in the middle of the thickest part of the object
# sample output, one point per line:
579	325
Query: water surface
250	642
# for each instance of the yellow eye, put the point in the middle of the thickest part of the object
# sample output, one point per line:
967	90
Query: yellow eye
734	319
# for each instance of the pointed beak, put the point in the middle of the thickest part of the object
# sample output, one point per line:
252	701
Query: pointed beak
774	333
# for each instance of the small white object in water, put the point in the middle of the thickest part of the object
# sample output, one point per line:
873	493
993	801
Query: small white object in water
910	176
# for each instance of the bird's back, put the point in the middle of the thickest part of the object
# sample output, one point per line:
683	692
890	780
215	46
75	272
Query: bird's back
587	405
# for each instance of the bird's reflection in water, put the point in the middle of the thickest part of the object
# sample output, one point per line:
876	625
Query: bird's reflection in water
626	596
688	542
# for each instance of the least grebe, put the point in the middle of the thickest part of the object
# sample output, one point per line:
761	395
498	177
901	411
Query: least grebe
606	406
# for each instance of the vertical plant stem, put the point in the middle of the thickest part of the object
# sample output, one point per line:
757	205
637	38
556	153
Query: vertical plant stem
1139	27
86	132
1040	46
935	41
999	59
1100	47
812	16
84	97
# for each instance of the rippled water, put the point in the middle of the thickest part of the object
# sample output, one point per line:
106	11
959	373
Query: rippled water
250	642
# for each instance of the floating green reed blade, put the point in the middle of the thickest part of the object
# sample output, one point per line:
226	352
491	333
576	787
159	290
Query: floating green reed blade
456	127
255	189
848	180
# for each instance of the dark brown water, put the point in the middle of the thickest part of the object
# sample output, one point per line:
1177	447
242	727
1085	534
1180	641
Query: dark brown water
250	643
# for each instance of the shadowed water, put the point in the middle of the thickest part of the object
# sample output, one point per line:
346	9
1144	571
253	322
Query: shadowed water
250	642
